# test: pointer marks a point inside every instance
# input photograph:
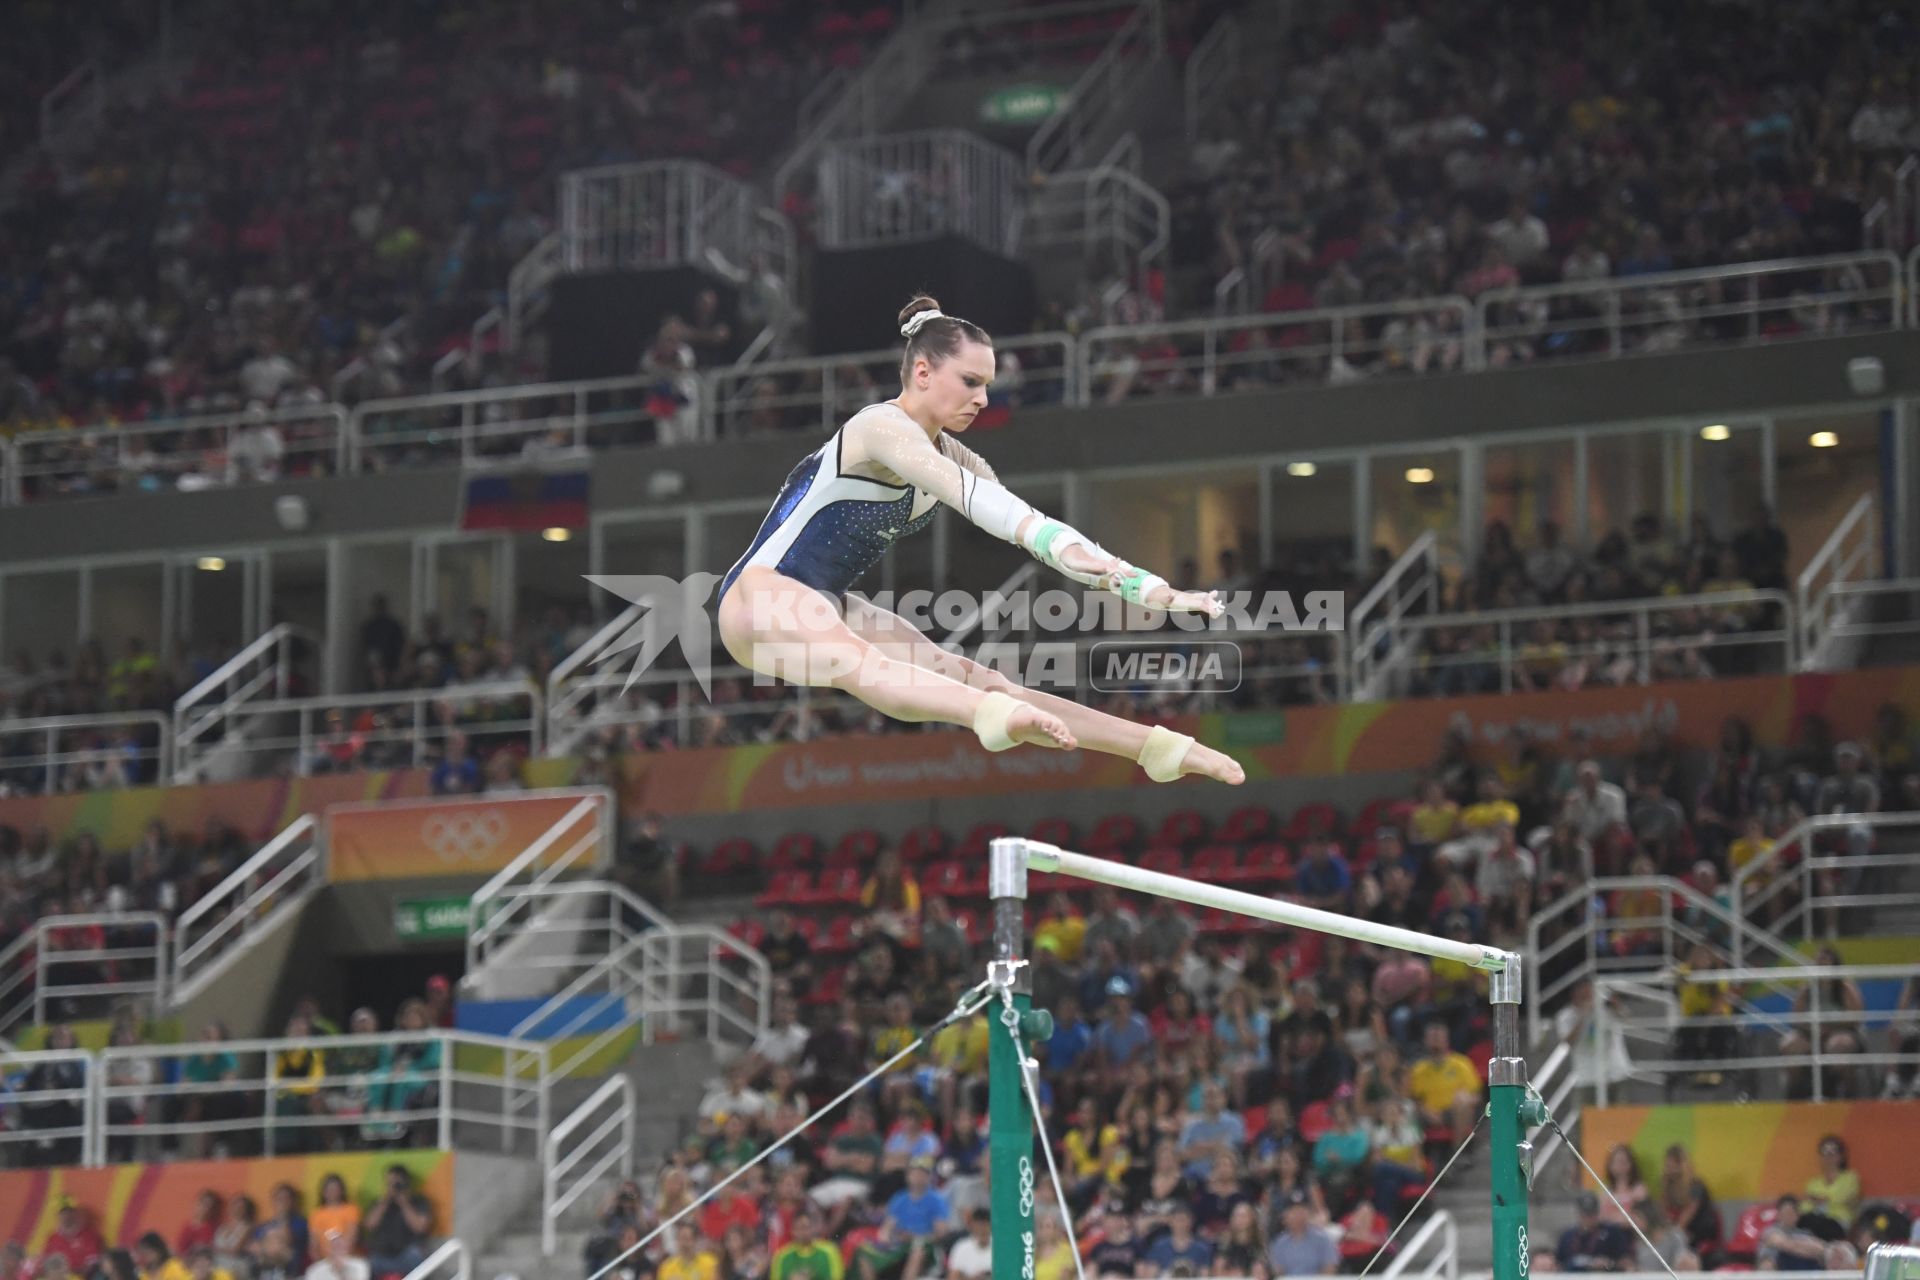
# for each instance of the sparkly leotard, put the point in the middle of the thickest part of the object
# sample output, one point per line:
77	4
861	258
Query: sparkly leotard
827	528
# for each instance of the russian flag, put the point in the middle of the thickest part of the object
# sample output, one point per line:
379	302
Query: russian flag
528	498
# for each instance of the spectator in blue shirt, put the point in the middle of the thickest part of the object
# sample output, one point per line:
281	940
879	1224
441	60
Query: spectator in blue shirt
1179	1245
1302	1249
1071	1039
1323	879
458	773
920	1212
1123	1034
1215	1132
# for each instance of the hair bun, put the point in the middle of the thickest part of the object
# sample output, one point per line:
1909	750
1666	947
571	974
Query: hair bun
916	313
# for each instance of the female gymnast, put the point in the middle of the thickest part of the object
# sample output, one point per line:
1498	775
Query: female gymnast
878	479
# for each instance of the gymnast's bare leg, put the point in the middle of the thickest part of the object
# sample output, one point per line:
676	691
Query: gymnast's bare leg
806	643
1095	730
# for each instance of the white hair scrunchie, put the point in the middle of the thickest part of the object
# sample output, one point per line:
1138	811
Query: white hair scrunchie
918	318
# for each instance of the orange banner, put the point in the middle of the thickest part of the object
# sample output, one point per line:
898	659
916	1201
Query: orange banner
424	839
1294	743
1759	1150
258	808
123	1202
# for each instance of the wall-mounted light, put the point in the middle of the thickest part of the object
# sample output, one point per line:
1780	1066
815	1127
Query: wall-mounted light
557	534
1823	439
1419	475
210	564
1301	470
1716	433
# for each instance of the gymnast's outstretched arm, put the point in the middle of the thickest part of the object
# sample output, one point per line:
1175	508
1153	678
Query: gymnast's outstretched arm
961	479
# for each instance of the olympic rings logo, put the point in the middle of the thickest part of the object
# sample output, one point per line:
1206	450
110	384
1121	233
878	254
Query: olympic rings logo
1026	1187
464	835
1524	1258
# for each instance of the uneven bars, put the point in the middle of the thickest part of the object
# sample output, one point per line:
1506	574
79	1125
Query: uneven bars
1045	857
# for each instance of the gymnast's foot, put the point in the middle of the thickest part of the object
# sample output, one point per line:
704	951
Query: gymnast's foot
1031	724
1212	764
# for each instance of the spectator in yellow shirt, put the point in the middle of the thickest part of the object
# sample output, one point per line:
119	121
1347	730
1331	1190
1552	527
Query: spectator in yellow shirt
1479	823
691	1259
892	898
1064	929
297	1073
156	1262
1434	820
1445	1084
1701	1001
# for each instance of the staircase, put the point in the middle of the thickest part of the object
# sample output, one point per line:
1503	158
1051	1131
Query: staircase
669	1081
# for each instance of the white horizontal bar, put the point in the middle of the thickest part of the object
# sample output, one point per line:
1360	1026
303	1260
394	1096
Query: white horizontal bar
1045	857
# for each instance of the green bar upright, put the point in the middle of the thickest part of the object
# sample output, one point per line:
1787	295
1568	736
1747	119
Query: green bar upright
1010	1120
1510	1156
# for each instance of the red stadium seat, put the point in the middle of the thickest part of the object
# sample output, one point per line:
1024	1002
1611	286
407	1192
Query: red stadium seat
838	885
855	848
784	889
1216	863
1315	1119
922	844
838	937
1162	859
1246	825
1314	818
978	838
1055	831
729	857
1183	828
751	932
1115	833
1267	864
793	850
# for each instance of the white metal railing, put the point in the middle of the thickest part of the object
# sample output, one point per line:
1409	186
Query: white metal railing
507	906
1212	70
1712	306
819	393
1849	555
528	285
570	1167
47	1106
209	452
450	1261
1580	926
1327	344
708	985
653	214
1103	90
266	889
1815	870
1853	613
402	729
500	423
1625	641
1101	210
906	187
1411	582
1751	1039
1432	1251
67	967
464	1089
72	753
211	713
891	76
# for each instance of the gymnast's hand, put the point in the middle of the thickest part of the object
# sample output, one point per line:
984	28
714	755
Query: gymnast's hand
1110	569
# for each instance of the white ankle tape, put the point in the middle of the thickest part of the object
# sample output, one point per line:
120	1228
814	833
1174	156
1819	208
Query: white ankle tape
1163	753
990	721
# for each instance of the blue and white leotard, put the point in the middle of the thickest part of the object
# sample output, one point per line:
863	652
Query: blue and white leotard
827	528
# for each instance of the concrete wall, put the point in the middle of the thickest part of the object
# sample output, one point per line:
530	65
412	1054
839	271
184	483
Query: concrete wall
1708	384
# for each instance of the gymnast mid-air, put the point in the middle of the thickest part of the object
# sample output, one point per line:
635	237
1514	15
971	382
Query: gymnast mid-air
878	479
